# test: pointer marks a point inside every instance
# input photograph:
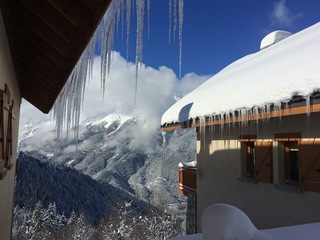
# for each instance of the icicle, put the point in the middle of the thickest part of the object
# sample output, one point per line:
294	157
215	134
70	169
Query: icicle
308	105
255	112
263	114
308	111
128	22
170	19
244	117
176	6
148	16
175	3
268	111
221	125
66	110
214	119
181	5
211	127
139	41
118	13
202	121
277	107
122	20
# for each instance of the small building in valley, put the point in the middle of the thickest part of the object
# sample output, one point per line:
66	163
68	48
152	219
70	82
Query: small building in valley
258	133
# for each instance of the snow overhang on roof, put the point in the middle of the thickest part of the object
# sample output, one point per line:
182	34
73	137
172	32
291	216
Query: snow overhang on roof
269	77
273	38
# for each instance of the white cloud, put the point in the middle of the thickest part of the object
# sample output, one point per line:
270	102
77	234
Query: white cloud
156	89
281	14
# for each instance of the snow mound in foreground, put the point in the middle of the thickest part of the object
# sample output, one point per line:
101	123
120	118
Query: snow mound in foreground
223	221
226	222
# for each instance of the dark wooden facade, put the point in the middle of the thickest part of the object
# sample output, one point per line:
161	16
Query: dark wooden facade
187	180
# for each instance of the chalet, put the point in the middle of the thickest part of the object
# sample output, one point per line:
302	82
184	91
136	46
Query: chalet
40	44
258	134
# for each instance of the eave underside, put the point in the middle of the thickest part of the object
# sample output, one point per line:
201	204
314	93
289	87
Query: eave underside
46	40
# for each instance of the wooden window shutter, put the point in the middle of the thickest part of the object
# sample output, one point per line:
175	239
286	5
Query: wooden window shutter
263	161
6	121
2	160
8	150
309	157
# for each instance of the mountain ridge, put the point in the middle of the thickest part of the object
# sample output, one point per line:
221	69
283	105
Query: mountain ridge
125	151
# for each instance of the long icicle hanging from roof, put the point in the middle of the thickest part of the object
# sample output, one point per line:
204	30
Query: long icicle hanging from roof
176	8
66	110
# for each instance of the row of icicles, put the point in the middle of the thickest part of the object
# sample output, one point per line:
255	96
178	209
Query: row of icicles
66	110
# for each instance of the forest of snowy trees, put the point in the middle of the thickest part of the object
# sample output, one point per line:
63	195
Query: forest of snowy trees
57	202
46	223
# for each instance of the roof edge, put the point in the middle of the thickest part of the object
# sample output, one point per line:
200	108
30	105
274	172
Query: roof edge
236	118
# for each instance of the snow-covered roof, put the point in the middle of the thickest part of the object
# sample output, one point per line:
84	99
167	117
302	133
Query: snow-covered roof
223	221
272	75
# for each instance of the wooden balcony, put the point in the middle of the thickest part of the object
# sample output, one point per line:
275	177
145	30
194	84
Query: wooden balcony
187	179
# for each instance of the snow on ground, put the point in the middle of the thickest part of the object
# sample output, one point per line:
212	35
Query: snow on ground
271	75
226	222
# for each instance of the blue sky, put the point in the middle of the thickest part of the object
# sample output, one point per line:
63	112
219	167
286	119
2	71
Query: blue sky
217	32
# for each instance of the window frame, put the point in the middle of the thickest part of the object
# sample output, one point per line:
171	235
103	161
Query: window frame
255	168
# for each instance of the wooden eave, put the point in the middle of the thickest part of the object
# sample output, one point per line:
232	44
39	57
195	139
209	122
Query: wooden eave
46	39
276	113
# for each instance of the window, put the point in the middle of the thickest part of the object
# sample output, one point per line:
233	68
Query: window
291	161
250	159
301	161
257	159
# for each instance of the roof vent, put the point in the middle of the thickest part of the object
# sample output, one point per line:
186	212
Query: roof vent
273	38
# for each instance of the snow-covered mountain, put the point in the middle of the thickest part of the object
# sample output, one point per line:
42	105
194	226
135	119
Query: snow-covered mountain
124	151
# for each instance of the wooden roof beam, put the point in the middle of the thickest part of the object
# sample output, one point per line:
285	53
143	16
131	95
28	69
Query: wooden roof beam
73	11
55	20
25	17
42	43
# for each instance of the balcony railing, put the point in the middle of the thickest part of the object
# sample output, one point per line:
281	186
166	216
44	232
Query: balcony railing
187	178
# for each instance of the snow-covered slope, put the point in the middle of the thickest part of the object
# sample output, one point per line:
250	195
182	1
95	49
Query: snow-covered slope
124	151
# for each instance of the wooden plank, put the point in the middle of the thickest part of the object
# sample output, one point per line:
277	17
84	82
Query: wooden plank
54	20
48	79
187	180
73	10
285	137
2	162
309	159
38	57
36	82
8	148
56	60
36	39
263	161
32	63
247	138
25	17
